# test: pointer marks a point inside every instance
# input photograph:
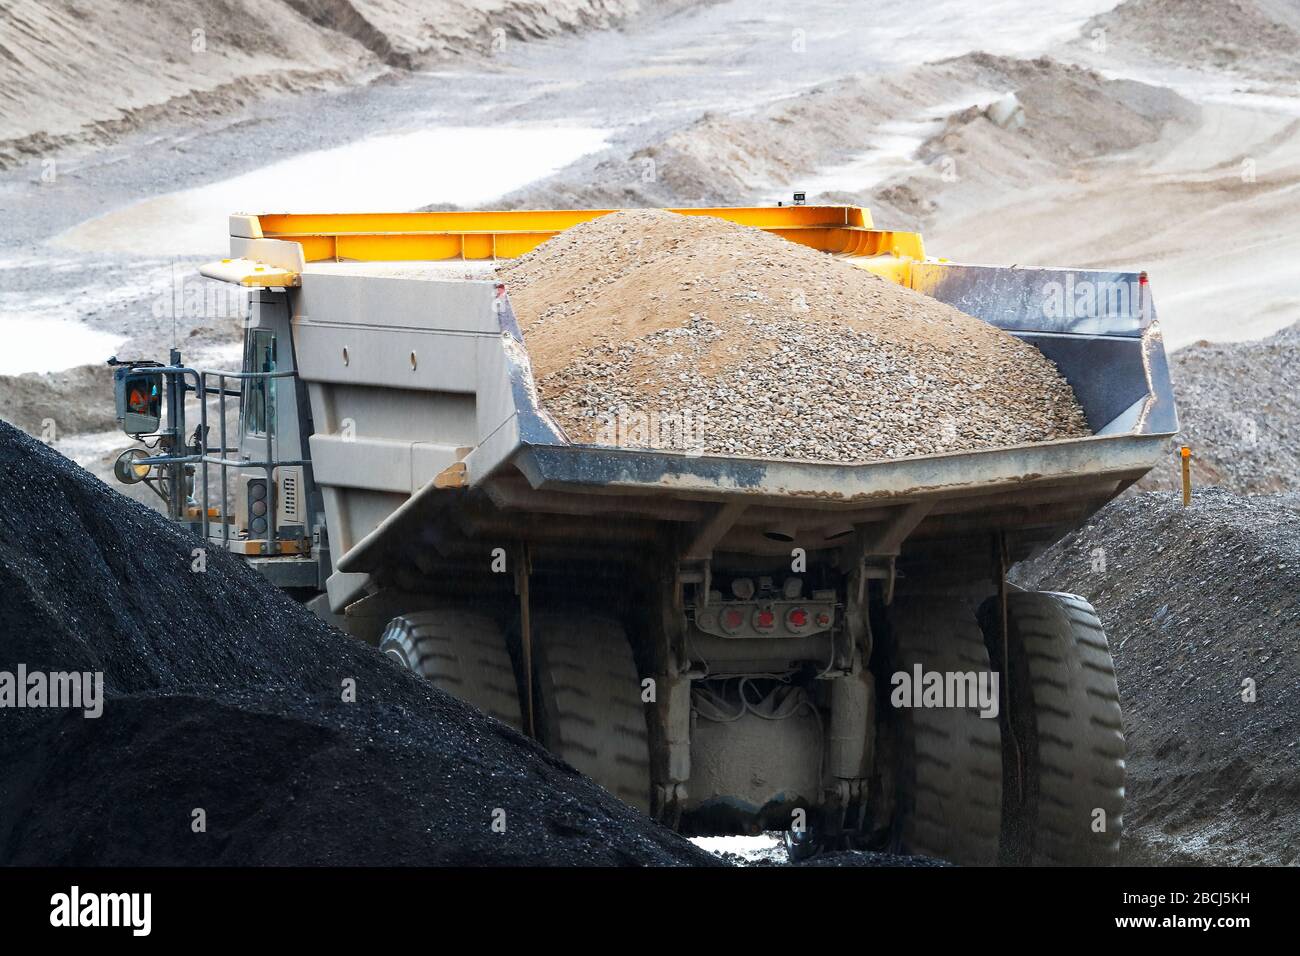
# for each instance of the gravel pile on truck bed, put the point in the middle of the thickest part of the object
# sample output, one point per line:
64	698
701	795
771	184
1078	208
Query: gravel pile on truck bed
222	694
651	329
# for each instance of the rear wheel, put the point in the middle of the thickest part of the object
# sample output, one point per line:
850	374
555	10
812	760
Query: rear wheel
801	845
950	780
589	701
1065	710
462	652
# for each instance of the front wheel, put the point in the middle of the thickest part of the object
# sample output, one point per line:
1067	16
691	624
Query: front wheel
460	651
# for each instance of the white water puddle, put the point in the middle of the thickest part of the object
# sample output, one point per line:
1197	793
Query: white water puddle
43	332
467	166
48	345
751	849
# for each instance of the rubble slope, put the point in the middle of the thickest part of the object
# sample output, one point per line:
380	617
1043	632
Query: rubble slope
224	695
1197	602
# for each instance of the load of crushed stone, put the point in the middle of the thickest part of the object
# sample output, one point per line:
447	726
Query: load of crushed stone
647	328
224	705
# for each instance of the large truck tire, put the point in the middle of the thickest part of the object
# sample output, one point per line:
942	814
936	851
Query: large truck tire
589	701
950	773
1066	711
461	652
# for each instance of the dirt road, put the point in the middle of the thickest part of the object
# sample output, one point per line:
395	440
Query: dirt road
124	274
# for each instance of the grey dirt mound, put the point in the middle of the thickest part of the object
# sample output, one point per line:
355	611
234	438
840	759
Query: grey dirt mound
1238	413
648	328
1248	36
224	695
74	400
1196	603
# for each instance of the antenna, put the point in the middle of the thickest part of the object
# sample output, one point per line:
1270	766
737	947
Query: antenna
175	320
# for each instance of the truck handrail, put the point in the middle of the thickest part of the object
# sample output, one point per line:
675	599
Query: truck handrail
216	456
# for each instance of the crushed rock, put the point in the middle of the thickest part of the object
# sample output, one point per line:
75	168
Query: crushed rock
650	329
1238	413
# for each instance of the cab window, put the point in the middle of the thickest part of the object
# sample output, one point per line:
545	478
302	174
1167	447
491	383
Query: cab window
143	395
259	393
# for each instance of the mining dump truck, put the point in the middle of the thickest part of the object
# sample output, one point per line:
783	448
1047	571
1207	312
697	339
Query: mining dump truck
730	644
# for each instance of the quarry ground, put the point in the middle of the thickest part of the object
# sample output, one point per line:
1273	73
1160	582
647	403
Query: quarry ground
1140	143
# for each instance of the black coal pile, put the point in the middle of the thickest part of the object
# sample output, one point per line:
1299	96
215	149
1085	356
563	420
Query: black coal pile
225	736
1202	609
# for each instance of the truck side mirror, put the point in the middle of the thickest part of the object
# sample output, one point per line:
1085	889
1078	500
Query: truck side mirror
139	400
127	470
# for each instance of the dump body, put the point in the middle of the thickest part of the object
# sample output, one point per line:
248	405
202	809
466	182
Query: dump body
421	393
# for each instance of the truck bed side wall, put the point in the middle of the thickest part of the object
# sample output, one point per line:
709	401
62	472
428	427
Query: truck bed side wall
391	366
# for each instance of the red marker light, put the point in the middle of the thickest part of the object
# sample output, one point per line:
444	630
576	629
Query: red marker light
764	621
732	620
798	617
